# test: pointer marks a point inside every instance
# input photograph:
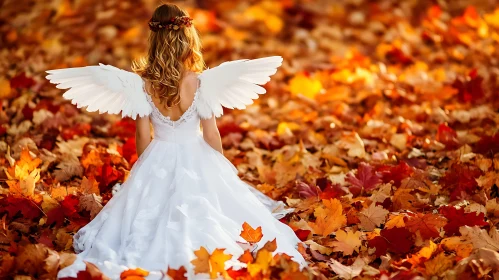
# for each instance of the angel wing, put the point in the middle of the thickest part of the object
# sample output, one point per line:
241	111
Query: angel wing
104	88
234	84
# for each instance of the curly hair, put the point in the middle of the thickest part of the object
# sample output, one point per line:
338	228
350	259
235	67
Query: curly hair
170	53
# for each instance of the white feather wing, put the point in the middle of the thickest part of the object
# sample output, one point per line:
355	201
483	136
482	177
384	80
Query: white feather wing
234	84
104	88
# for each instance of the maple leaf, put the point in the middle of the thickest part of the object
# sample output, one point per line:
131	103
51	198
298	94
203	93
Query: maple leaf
89	186
212	264
480	238
439	264
395	173
68	168
424	254
246	257
305	190
25	206
348	272
250	234
470	88
347	242
428	225
462	248
487	145
458	218
177	274
329	217
372	216
329	190
301	84
397	240
135	273
460	178
21	81
395	221
261	264
447	136
91	203
365	179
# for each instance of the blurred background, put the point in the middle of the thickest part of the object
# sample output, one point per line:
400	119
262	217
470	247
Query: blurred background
406	85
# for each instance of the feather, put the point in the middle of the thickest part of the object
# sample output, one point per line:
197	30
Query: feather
234	84
102	88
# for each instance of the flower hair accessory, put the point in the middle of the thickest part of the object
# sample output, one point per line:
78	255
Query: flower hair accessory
175	23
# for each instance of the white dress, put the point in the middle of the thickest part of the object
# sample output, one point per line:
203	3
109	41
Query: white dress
181	194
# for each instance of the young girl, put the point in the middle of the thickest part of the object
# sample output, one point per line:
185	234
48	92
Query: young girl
182	193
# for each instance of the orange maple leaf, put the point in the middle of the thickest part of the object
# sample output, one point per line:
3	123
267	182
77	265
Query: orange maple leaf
329	217
212	264
134	274
250	234
177	274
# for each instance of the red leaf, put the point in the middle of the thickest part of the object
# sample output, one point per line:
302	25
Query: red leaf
21	81
302	234
123	129
364	179
399	239
447	136
396	173
396	240
460	178
470	89
27	207
56	216
427	224
305	190
69	205
457	218
332	191
80	129
130	150
380	244
230	127
488	145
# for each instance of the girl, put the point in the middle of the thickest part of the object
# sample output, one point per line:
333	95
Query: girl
182	193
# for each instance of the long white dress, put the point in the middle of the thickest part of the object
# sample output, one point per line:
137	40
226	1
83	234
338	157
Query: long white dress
181	194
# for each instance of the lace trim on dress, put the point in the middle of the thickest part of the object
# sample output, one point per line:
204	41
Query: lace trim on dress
166	119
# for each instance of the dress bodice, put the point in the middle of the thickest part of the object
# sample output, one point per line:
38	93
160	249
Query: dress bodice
187	127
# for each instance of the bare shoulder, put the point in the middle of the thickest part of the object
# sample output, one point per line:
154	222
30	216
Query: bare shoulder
190	84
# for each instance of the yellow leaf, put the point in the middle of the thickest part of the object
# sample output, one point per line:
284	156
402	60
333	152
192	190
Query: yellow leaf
492	18
49	203
212	264
329	217
395	221
5	90
202	262
347	242
301	84
438	265
287	128
462	249
217	262
263	260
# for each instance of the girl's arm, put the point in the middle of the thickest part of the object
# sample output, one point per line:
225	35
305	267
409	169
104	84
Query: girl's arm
142	134
211	134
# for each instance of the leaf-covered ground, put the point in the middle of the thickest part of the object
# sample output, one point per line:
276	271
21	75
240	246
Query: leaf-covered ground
380	129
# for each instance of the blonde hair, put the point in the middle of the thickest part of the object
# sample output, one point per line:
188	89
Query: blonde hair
170	53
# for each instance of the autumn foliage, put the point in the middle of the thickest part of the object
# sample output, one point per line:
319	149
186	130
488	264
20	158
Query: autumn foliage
380	130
